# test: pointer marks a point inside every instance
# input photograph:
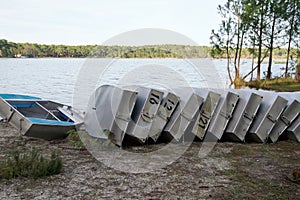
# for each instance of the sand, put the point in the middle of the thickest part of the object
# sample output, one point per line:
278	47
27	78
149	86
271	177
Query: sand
231	170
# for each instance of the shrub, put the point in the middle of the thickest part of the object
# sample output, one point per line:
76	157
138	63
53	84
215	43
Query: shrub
74	139
30	164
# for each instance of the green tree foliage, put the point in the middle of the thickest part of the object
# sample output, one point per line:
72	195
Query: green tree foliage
262	26
6	48
223	39
229	39
274	29
10	49
292	30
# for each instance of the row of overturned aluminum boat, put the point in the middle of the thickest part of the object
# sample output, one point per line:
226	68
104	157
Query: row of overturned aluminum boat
136	114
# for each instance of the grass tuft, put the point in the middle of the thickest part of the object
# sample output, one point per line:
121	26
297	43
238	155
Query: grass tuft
29	164
74	139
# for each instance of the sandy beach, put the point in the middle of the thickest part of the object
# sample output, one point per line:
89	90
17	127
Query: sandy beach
232	170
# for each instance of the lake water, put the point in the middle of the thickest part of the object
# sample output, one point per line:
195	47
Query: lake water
55	78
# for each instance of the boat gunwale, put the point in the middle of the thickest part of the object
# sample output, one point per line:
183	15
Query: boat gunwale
7	101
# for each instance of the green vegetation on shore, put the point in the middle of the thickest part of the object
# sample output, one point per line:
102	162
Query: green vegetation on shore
29	163
277	84
74	140
32	50
262	27
11	49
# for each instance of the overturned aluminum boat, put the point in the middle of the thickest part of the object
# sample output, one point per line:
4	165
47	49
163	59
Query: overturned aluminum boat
135	114
206	112
35	117
144	112
184	116
223	113
285	120
268	114
293	132
242	116
109	113
165	111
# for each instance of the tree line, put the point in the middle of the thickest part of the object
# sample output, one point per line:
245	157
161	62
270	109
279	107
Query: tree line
32	50
11	49
261	27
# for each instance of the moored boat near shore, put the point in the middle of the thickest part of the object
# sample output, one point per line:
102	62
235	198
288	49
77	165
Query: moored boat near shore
35	117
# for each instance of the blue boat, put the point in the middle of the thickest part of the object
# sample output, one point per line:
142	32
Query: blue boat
35	117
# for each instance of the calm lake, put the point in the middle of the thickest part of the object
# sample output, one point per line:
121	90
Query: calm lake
55	78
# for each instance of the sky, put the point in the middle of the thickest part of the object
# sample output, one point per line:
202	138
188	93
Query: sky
79	22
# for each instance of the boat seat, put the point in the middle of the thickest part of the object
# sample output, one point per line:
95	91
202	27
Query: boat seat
48	121
23	105
66	114
49	112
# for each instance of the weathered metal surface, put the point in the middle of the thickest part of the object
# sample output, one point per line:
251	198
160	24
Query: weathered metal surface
123	113
184	115
285	120
71	113
243	115
13	116
144	112
293	131
223	113
270	110
165	111
206	112
109	112
38	118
